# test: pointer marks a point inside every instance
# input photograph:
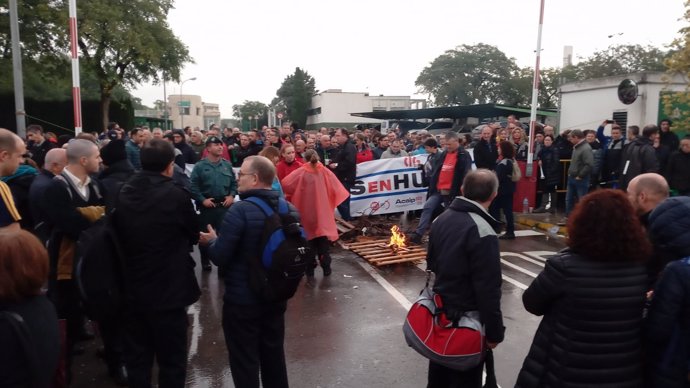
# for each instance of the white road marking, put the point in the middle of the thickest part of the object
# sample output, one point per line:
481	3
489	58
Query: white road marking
540	255
514	282
518	268
527	233
522	257
406	304
193	310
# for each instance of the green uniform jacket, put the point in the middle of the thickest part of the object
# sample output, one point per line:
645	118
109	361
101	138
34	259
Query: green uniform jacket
213	180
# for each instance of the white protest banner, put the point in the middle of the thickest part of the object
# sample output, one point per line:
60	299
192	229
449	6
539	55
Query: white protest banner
388	186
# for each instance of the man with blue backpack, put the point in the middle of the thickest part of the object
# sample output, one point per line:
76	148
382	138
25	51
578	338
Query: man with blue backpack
262	247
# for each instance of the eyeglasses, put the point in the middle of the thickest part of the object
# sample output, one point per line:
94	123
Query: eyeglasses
240	174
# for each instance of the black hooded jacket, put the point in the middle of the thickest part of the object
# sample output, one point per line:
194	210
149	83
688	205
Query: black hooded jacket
464	255
157	225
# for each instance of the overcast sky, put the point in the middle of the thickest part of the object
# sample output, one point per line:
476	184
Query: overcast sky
244	49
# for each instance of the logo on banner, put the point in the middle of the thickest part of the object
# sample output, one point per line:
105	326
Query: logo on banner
402	202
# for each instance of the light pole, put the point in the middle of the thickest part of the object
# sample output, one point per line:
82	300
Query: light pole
180	101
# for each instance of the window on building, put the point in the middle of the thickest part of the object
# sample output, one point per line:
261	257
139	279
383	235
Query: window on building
198	111
184	111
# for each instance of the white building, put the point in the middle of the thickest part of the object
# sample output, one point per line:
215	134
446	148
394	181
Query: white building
332	107
585	104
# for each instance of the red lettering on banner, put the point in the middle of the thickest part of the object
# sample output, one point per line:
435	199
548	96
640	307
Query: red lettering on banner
411	161
385	185
373	188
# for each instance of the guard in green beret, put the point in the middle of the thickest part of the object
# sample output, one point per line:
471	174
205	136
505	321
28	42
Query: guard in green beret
214	187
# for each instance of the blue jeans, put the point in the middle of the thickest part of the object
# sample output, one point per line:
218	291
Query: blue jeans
430	206
577	188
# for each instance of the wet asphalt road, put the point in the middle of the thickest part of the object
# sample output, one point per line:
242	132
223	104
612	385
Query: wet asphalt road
346	330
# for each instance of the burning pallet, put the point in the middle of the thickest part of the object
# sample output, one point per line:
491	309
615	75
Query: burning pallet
385	252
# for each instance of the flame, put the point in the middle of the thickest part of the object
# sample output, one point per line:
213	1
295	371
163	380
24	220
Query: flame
397	238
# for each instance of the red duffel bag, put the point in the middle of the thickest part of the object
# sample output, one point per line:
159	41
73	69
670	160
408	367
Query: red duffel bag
457	345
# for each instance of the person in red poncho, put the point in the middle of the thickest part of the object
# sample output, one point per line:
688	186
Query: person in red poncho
316	192
288	162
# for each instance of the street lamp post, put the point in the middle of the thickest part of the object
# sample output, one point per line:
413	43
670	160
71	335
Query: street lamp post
180	100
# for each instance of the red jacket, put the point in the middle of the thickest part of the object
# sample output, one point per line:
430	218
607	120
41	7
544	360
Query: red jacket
364	155
284	169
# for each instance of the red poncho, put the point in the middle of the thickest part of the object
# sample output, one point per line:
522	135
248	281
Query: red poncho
315	192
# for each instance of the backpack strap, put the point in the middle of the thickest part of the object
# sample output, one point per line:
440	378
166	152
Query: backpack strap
282	205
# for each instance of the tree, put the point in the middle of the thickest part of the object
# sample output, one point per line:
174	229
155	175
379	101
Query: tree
679	62
620	60
470	74
126	42
255	109
295	94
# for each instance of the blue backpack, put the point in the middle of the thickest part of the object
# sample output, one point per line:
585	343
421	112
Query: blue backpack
277	272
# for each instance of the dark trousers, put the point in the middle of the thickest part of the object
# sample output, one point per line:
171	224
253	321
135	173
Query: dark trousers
504	202
442	377
159	334
344	207
112	330
320	247
254	335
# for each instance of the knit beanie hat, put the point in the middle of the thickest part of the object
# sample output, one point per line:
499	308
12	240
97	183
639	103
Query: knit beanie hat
113	152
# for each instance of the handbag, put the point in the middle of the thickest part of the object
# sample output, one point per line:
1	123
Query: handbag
457	345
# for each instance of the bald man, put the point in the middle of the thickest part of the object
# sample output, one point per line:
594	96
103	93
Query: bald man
325	149
12	150
645	192
55	162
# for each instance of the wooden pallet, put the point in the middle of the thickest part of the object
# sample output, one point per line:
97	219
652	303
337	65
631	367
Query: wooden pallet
378	253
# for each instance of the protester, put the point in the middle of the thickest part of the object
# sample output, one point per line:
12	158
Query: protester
579	171
344	166
180	142
38	146
117	170
155	220
55	162
315	191
394	151
666	135
12	149
254	329
288	162
519	140
464	255
506	189
364	153
74	202
667	327
639	156
485	151
196	141
613	150
273	154
29	337
645	192
133	147
19	184
449	170
591	297
549	176
678	169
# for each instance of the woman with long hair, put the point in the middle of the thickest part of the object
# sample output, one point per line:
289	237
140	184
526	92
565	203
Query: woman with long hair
549	175
316	192
591	297
506	189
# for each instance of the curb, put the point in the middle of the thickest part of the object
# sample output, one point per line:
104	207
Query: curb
544	226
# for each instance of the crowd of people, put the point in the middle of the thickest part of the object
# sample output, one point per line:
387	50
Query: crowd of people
169	191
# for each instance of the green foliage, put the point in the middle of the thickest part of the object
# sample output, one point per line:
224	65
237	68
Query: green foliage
469	74
295	95
249	108
675	104
475	74
122	43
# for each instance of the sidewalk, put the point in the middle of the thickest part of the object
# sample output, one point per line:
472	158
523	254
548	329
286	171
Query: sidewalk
542	221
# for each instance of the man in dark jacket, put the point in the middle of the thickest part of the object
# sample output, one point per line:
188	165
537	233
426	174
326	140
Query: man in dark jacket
55	161
38	146
667	137
485	152
156	220
344	166
678	169
187	151
449	170
254	329
579	172
118	170
639	156
464	255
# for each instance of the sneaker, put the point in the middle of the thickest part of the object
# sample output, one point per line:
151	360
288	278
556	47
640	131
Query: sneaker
507	236
563	221
414	238
327	271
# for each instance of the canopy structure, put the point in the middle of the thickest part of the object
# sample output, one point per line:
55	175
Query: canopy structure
480	111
